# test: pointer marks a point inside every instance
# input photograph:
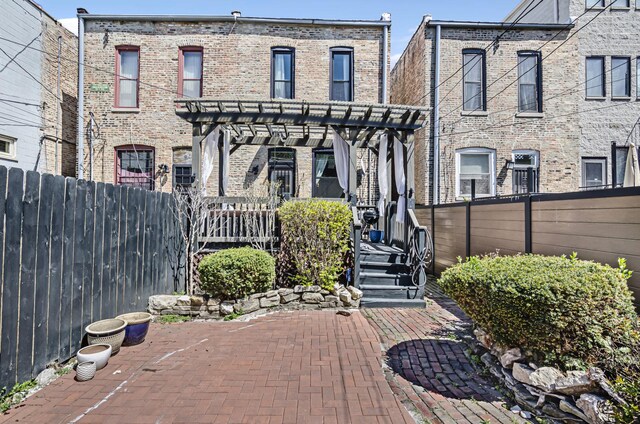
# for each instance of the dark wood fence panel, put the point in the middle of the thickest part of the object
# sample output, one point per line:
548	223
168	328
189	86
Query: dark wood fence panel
497	227
602	226
76	252
449	236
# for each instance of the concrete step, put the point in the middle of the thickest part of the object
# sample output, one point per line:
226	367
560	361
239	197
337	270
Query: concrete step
384	279
392	303
390	292
383	267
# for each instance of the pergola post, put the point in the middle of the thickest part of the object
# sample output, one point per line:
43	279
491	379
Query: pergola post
196	165
410	160
353	173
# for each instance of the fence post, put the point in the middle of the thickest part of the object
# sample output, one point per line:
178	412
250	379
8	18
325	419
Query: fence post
468	238
614	164
527	224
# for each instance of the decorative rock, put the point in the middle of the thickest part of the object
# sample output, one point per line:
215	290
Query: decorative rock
552	410
286	298
522	373
162	301
324	292
271	293
525	414
270	302
345	297
572	409
257	296
46	377
515	409
355	293
213	302
298	289
592	406
196	301
246	306
312	298
312	289
183	301
483	337
331	298
576	383
545	378
511	356
336	289
285	292
226	308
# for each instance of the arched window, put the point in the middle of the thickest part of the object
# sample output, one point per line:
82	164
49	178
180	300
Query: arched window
135	165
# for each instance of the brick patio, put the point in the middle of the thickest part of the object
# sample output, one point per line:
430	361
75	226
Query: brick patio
298	367
428	369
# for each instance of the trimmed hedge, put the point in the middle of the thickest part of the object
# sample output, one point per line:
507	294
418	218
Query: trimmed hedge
563	311
314	245
236	273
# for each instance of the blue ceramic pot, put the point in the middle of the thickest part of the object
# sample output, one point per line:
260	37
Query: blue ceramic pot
137	327
376	236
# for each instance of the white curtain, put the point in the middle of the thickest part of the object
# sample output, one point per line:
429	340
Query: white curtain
128	83
225	159
321	164
382	172
632	170
401	181
341	154
209	150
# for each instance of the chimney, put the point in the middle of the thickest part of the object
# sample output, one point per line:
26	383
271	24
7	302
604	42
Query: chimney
386	16
236	14
82	11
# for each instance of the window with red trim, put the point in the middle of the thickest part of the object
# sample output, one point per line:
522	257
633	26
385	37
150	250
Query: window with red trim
127	76
190	72
135	166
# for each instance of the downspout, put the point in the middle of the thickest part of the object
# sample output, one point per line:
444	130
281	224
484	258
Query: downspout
80	124
436	122
57	169
385	55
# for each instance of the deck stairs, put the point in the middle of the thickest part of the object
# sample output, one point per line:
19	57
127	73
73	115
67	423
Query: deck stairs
385	278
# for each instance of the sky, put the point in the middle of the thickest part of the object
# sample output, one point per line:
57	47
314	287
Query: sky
405	14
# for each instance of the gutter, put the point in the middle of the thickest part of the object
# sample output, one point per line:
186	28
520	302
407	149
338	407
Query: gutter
80	124
210	18
498	25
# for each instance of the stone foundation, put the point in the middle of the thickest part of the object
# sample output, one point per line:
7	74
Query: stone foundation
299	297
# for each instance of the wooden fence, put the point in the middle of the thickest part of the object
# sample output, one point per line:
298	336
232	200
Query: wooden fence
601	225
76	252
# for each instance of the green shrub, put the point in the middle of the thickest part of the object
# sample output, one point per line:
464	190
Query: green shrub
236	273
564	311
629	389
315	239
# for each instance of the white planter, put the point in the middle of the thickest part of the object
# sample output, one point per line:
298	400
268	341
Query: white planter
85	371
98	353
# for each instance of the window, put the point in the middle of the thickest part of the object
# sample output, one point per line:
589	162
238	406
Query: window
620	77
182	171
529	82
474	80
621	164
342	74
7	147
127	72
325	176
134	166
594	173
190	72
620	4
282	73
282	171
526	164
477	164
595	4
638	71
595	77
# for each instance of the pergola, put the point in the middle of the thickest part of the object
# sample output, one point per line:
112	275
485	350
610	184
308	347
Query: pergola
304	124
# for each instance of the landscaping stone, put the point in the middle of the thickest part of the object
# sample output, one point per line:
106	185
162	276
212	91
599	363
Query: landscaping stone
575	383
46	377
545	378
312	289
161	302
324	292
511	356
269	302
571	408
183	301
257	296
286	298
285	292
345	297
298	289
196	301
246	306
522	373
312	298
354	292
483	338
593	408
213	302
226	308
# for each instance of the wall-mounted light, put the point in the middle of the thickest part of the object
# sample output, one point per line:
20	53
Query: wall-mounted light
163	168
509	164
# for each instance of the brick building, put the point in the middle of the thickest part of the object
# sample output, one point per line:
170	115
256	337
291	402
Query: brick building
137	66
512	100
38	90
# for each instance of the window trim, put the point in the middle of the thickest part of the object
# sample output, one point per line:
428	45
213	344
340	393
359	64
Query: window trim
483	82
274	164
181	78
602	5
638	69
342	50
603	77
492	169
283	49
539	88
629	80
594	159
628	7
531	152
119	49
12	147
136	147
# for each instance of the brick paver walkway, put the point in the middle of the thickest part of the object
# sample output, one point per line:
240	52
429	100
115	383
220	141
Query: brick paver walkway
428	367
298	367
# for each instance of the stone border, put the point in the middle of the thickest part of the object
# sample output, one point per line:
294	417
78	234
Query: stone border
299	297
